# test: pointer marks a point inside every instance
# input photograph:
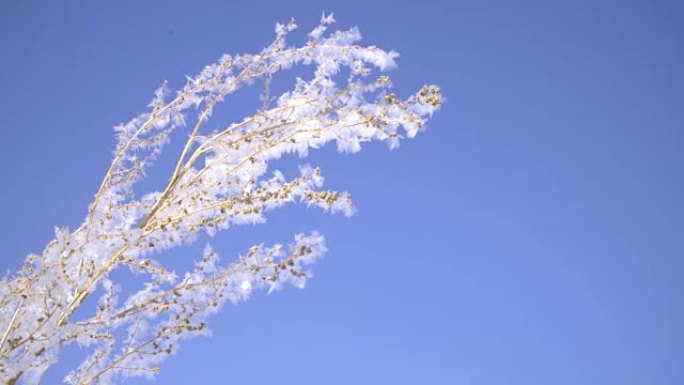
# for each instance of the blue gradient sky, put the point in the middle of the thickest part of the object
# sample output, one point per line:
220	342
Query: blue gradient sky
533	234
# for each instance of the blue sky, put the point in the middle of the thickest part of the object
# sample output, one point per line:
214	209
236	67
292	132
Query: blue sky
532	235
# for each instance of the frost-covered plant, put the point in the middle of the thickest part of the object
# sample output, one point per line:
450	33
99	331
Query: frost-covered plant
220	179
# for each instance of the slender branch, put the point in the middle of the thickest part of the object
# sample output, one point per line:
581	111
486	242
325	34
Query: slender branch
5	335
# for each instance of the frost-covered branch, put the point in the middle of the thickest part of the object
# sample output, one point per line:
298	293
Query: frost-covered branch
221	179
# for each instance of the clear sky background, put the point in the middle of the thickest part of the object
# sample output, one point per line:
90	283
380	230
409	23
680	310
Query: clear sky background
532	235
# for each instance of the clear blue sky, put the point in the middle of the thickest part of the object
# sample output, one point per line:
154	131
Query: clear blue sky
533	234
